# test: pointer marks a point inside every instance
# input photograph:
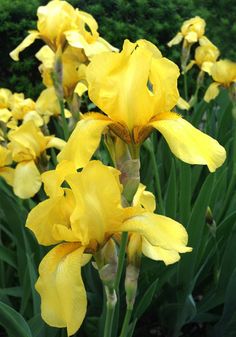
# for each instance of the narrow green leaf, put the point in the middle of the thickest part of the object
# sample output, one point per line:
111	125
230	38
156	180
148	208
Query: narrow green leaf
171	193
13	322
145	300
7	256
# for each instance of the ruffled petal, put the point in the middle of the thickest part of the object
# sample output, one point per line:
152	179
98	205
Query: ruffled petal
44	218
60	285
84	140
144	198
188	143
54	178
27	180
33	35
212	92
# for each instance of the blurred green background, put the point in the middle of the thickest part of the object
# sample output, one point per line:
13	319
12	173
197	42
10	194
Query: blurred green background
154	20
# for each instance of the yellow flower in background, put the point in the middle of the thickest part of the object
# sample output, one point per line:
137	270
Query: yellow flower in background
137	89
205	55
28	146
5	159
192	31
74	64
5	113
223	73
80	219
47	105
58	24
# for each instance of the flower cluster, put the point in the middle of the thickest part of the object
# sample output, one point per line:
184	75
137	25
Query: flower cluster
91	206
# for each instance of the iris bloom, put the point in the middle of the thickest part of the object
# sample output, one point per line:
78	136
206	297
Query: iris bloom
28	146
58	24
79	220
136	89
205	55
15	108
5	160
74	63
223	73
192	30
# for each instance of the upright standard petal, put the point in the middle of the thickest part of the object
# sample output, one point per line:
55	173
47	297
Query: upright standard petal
84	140
117	88
98	205
188	143
60	285
27	179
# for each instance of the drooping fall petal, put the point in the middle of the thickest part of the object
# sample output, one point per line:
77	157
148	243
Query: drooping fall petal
159	231
212	92
61	287
24	44
188	143
159	254
27	179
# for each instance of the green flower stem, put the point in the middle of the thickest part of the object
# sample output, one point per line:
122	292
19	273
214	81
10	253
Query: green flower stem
185	86
149	146
110	310
125	325
121	259
64	121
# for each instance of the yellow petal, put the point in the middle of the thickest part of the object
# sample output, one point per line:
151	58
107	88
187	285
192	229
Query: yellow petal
54	178
35	117
163	77
81	88
27	180
191	37
58	143
24	44
188	143
84	140
8	174
116	86
212	92
176	40
5	115
145	199
60	285
190	65
159	254
43	218
159	230
182	104
98	206
27	139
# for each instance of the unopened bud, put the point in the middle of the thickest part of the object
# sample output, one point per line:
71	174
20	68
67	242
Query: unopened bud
131	284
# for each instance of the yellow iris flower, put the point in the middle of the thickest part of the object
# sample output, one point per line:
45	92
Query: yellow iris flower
136	89
223	73
58	24
5	160
191	31
74	63
28	146
205	55
79	220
